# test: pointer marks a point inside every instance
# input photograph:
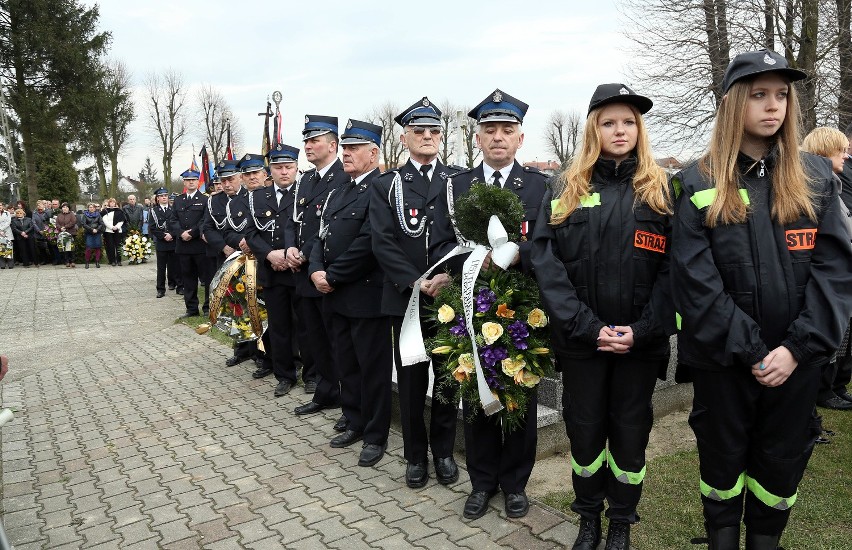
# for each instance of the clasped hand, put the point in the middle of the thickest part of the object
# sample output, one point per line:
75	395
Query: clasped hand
615	338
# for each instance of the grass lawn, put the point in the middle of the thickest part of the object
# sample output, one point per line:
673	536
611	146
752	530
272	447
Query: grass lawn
214	333
671	508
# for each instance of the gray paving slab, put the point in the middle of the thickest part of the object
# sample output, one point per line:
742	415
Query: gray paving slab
130	432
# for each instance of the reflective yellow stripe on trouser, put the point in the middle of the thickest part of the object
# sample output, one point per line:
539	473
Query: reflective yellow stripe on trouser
723	494
591	469
773	501
630	478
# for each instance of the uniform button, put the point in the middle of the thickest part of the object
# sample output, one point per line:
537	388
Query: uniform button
368	280
432	207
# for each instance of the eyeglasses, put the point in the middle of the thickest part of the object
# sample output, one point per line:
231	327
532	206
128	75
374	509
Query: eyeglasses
420	130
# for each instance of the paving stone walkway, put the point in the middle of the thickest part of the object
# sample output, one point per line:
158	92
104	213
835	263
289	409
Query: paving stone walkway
129	432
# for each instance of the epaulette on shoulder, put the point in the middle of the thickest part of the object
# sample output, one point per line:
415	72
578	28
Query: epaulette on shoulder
461	171
456	169
388	173
534	170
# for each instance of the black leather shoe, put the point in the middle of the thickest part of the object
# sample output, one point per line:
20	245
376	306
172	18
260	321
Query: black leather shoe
179	290
371	454
590	534
206	310
755	541
310	408
446	470
416	474
341	424
836	403
346	439
618	536
261	372
189	314
235	360
160	294
171	287
845	395
283	388
477	504
310	386
517	505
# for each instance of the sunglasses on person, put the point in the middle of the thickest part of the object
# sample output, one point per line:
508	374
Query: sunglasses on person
420	130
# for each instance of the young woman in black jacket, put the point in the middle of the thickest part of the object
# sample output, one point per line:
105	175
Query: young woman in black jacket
602	264
762	272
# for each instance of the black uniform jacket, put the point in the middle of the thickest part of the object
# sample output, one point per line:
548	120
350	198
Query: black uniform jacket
403	256
278	234
846	180
159	226
527	183
744	289
346	253
188	215
309	203
215	221
90	224
605	264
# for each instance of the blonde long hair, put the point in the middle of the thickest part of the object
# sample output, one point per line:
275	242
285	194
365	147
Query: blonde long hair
792	193
649	181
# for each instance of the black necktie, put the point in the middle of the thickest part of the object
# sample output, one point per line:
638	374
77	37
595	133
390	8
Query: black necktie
497	176
281	193
425	171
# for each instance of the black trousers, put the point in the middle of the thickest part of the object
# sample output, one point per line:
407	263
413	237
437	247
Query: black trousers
364	358
496	459
279	308
193	268
837	374
607	399
112	244
300	350
317	345
413	382
167	269
754	443
26	249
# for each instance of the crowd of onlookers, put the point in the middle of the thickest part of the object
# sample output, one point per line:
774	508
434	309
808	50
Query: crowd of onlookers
47	235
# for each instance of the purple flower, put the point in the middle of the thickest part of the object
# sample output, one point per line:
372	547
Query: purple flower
491	355
459	329
485	299
519	333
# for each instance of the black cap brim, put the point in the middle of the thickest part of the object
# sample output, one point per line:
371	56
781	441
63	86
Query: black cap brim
790	74
642	103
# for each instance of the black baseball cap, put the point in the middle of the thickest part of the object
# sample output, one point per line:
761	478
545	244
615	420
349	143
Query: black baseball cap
619	93
751	64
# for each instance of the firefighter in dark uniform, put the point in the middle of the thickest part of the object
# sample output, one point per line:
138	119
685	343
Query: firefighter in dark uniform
761	275
402	208
222	233
267	236
343	267
252	175
167	262
495	461
186	223
320	146
601	257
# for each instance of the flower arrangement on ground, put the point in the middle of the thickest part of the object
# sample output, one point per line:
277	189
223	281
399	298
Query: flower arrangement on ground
241	312
508	323
136	247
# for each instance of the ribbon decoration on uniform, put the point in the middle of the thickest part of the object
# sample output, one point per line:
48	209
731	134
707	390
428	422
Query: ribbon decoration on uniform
412	349
250	263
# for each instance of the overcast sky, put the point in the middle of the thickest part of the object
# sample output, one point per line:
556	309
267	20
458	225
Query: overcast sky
343	58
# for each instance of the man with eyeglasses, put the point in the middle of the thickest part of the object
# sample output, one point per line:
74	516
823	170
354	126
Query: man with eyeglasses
402	208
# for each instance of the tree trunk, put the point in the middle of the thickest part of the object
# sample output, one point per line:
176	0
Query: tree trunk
29	158
719	51
806	61
769	24
102	182
844	50
113	184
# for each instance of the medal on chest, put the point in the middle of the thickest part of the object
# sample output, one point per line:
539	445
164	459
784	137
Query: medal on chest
319	210
525	227
413	220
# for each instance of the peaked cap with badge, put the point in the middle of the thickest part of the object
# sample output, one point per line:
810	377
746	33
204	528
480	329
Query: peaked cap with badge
282	153
251	162
751	64
606	94
358	132
421	113
227	168
499	107
318	125
190	174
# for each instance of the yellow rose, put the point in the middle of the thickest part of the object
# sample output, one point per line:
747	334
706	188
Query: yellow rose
240	287
466	362
446	313
512	366
442	350
526	378
537	318
491	332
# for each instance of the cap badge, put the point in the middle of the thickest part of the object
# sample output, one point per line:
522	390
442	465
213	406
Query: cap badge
624	91
278	147
768	60
307	119
498	97
425	102
349	125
